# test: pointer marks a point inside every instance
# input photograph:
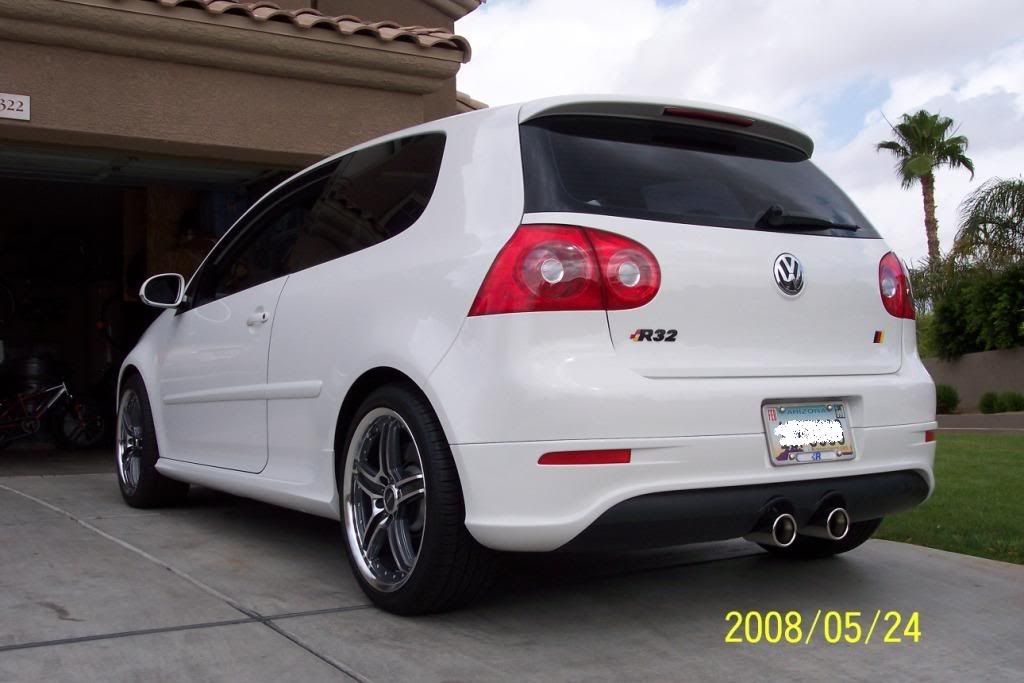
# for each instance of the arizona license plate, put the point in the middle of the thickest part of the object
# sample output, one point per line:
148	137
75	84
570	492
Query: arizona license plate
800	433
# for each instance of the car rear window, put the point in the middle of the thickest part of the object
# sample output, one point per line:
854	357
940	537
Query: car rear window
638	168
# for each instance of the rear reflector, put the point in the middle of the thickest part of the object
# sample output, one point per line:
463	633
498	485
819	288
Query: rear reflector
616	457
929	436
712	116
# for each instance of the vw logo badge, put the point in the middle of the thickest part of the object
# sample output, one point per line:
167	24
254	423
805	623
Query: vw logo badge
789	274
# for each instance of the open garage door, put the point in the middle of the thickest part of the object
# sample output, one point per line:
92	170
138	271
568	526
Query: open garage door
79	232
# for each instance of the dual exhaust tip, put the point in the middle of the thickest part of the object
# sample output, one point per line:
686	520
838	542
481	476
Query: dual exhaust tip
780	530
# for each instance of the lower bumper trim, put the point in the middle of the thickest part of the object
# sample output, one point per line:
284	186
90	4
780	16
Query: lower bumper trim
715	514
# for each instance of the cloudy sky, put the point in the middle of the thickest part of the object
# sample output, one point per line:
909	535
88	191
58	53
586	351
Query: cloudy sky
831	68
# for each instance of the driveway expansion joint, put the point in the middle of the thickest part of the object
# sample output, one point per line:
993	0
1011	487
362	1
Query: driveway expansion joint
251	616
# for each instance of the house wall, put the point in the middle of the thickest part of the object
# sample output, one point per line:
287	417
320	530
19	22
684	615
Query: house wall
975	373
123	77
98	100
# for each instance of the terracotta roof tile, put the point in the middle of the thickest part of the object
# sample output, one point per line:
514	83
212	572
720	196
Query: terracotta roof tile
346	25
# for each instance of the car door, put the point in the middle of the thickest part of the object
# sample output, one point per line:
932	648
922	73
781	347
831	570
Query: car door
213	372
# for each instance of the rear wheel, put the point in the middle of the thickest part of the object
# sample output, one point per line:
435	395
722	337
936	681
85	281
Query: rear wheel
812	548
136	450
402	509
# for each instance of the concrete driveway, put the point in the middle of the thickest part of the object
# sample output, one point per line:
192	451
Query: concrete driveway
227	589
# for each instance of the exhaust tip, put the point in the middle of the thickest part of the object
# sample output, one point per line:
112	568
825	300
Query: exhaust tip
831	524
783	530
776	529
837	523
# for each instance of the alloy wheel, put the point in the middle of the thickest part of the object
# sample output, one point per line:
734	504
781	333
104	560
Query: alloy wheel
384	499
129	440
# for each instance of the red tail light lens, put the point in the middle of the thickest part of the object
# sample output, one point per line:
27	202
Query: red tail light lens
630	273
894	287
567	268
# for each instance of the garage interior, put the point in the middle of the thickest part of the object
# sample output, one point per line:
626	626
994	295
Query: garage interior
80	233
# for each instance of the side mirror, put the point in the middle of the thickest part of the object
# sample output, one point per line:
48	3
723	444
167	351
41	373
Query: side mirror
163	291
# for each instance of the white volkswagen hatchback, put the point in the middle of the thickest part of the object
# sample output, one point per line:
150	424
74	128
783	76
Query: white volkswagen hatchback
577	323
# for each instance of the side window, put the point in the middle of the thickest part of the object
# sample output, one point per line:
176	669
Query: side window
373	195
263	249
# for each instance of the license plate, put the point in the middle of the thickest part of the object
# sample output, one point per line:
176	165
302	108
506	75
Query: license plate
801	433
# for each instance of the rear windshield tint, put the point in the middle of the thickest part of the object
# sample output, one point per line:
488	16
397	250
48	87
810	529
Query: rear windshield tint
675	172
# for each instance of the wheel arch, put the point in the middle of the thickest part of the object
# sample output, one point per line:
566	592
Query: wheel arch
364	385
129	370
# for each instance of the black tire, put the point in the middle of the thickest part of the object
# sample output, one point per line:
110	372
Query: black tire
450	568
811	548
143	487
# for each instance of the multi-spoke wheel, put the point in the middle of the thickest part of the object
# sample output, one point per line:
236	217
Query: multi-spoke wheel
386	501
402	509
137	453
129	440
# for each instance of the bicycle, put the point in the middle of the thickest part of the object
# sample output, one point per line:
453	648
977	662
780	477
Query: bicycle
75	423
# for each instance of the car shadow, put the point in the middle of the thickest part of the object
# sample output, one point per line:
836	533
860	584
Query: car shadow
518	575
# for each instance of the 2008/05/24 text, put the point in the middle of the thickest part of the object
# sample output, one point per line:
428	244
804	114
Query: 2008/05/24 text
831	627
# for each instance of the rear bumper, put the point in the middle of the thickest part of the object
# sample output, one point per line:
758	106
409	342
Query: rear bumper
512	503
677	517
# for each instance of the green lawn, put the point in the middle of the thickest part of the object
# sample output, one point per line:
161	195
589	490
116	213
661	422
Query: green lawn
978	504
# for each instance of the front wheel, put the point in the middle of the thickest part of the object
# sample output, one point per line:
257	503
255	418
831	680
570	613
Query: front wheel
812	548
136	450
402	509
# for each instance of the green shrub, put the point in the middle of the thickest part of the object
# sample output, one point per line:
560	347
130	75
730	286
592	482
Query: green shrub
946	399
927	345
1010	401
979	309
989	403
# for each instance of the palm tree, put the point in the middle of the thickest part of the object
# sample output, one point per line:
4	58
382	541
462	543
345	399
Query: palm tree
924	142
992	223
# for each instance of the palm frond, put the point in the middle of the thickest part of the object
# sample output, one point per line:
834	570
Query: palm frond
894	147
992	223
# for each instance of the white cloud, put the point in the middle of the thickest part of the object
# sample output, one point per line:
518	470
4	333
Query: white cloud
808	62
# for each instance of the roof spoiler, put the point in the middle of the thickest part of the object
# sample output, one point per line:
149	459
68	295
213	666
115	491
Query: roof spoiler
691	113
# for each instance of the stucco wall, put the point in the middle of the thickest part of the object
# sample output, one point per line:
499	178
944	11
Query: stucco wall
91	99
975	373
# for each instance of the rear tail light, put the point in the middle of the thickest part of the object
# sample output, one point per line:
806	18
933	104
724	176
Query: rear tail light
929	436
894	287
567	268
610	457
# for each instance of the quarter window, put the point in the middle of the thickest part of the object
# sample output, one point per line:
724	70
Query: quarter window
375	194
364	198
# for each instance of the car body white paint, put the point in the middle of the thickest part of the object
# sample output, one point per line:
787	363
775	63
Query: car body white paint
508	388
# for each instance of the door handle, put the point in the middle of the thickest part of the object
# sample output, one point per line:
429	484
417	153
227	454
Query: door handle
257	318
